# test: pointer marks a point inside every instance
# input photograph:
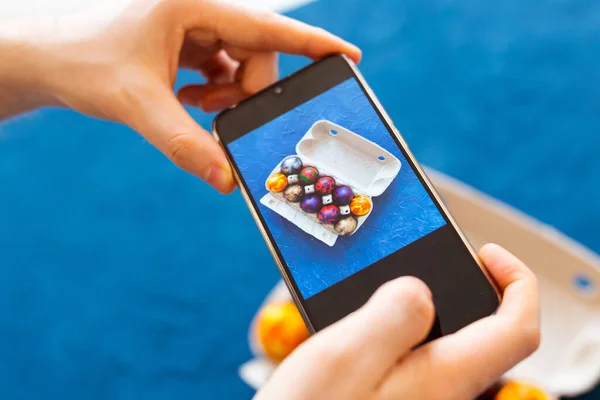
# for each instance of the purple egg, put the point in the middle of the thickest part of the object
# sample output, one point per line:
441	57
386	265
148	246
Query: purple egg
311	203
343	195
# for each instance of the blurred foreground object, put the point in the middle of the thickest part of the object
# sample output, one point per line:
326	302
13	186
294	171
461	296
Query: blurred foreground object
514	390
280	329
521	391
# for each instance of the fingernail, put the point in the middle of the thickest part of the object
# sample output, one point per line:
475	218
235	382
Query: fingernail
218	177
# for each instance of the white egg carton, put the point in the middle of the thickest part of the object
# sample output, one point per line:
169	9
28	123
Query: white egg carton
308	222
347	157
568	360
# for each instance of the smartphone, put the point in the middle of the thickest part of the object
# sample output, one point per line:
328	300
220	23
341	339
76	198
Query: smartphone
341	201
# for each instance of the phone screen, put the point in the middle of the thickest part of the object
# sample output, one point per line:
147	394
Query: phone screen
342	203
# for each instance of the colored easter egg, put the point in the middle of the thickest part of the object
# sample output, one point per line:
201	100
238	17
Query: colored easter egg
276	183
280	329
308	175
343	195
521	391
291	165
293	193
346	226
325	185
329	214
311	204
360	205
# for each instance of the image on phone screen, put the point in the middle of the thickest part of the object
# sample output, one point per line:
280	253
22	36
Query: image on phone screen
342	203
402	214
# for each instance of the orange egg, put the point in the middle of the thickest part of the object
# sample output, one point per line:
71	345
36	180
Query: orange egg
521	391
360	205
280	329
276	183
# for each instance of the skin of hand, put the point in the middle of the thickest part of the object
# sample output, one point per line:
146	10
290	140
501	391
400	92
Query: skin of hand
372	353
120	64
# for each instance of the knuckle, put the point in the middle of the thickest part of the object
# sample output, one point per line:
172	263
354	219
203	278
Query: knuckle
179	149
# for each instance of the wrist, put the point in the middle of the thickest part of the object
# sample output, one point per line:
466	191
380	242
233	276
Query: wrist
23	85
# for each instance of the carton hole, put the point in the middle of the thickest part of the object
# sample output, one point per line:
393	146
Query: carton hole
381	158
584	284
333	132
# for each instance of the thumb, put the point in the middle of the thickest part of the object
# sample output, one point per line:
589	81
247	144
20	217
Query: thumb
396	319
162	120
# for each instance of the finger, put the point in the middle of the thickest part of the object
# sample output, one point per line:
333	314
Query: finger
219	68
465	363
211	98
265	31
163	121
517	283
257	70
397	318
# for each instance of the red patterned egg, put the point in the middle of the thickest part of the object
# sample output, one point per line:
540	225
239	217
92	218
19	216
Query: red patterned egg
329	214
325	185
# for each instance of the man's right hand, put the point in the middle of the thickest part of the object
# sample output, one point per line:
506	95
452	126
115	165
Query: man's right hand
369	354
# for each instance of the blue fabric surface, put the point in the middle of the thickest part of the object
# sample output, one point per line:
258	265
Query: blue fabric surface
402	214
118	282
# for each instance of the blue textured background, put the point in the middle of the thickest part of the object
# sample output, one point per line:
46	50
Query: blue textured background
401	215
117	283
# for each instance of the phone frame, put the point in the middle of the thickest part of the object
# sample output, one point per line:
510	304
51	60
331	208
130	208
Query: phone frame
294	291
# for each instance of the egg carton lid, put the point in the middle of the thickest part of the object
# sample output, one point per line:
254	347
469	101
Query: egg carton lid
567	362
362	163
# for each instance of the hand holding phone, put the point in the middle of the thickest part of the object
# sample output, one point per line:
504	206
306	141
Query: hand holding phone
369	354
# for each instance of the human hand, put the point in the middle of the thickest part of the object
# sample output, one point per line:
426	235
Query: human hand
369	354
121	65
